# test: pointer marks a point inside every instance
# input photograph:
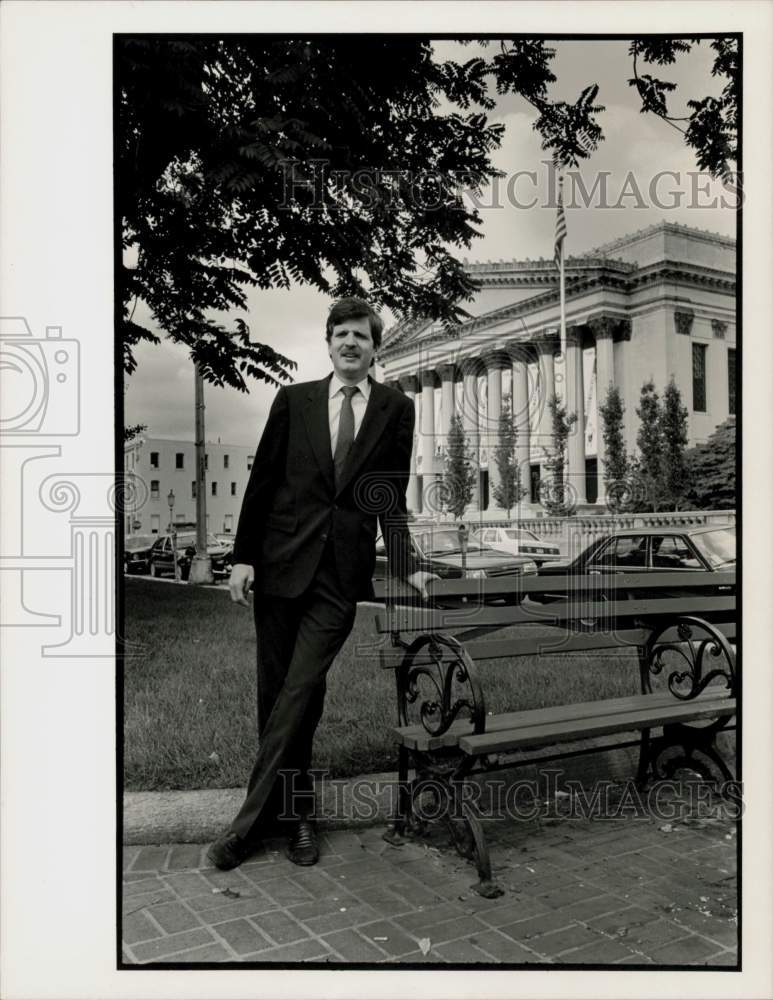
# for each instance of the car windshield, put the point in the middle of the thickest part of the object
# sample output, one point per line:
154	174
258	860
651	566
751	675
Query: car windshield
717	546
444	542
139	542
521	535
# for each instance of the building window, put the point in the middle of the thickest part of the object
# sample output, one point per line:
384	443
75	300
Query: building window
214	489
233	489
154	484
699	378
193	489
179	460
155	523
731	380
250	460
225	461
228	523
154	459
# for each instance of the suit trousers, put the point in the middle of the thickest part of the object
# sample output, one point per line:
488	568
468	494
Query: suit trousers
298	638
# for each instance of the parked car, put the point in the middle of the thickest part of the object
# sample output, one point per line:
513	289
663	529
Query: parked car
519	542
438	550
704	548
136	553
162	555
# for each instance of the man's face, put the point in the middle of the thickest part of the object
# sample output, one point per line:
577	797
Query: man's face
351	349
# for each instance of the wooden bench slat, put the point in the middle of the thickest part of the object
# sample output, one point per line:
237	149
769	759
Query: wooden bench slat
525	645
560	583
570	643
561	612
602	725
623	639
416	736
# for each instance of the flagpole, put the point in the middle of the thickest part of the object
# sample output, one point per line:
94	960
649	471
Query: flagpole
562	319
562	287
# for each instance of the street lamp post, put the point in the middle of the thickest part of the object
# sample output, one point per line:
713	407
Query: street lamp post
172	530
201	565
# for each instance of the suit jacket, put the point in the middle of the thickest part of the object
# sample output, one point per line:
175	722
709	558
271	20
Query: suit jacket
291	506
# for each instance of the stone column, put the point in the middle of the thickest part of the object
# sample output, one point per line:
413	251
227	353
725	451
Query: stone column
470	370
447	374
603	329
521	404
427	432
546	349
575	403
408	384
495	361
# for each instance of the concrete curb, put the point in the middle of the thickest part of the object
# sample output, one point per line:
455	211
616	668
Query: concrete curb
195	817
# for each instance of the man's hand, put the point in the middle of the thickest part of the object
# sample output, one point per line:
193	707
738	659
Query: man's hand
419	581
242	576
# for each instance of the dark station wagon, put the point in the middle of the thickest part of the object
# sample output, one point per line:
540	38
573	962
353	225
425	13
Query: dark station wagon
683	550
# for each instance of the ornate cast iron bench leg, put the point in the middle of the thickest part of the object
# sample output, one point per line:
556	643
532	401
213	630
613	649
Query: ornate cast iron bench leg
395	834
701	656
437	680
470	840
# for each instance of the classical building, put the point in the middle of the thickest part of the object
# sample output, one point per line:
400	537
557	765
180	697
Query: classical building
656	303
163	465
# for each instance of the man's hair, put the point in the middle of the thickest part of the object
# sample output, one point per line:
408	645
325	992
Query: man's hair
353	308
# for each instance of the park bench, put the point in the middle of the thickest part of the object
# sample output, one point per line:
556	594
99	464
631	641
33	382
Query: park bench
685	657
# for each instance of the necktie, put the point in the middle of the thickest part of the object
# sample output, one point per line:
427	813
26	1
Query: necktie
345	432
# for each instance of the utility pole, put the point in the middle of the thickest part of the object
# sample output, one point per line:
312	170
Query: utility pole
201	566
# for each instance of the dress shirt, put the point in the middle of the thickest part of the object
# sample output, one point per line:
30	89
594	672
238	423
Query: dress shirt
335	401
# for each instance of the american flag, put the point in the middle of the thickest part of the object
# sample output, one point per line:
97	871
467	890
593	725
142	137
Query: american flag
560	226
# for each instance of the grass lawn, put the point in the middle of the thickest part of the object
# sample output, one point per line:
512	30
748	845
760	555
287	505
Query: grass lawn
189	690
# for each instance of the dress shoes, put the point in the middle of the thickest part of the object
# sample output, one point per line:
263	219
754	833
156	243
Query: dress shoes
303	848
229	851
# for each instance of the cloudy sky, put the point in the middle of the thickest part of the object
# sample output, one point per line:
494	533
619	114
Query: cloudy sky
637	149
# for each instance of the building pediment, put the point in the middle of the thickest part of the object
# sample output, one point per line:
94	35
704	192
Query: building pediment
539	279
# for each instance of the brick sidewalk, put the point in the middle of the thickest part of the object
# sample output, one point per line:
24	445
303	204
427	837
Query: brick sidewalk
632	891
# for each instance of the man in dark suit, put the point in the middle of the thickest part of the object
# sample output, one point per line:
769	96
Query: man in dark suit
333	458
